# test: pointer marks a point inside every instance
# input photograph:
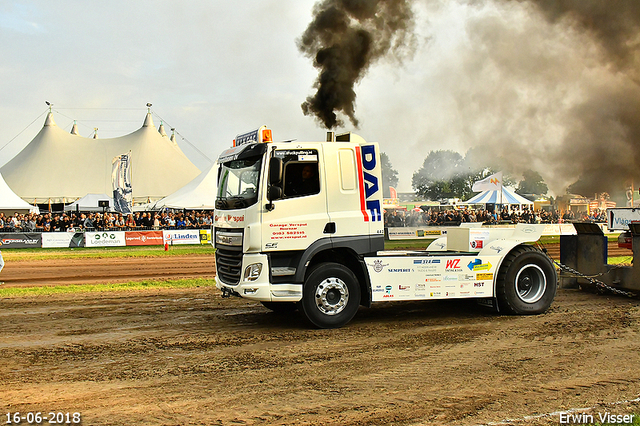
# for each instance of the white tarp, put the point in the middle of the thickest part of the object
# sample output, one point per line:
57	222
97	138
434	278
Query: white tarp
89	203
200	193
11	203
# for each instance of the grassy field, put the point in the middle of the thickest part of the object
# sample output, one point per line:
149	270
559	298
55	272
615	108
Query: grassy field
109	287
105	252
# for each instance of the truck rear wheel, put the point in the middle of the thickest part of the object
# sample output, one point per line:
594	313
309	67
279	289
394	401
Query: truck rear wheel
527	282
331	295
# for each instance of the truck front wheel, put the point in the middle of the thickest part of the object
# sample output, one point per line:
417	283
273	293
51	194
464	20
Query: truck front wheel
527	282
331	295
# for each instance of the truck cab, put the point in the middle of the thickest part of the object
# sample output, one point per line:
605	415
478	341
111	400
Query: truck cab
282	208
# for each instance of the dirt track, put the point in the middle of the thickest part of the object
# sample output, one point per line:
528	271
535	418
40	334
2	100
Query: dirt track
190	357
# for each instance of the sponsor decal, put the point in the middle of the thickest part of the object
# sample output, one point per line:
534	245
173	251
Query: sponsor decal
181	237
435	294
399	270
478	284
450	278
477	265
497	248
425	261
387	292
420	287
378	266
143	238
105	239
476	244
453	265
484	276
368	184
288	231
270	246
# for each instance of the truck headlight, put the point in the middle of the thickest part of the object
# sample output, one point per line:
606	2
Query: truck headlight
252	272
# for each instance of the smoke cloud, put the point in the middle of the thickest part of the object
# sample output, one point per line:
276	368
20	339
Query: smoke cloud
548	85
344	39
599	147
605	138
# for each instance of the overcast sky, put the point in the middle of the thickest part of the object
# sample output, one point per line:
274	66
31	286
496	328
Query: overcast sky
213	69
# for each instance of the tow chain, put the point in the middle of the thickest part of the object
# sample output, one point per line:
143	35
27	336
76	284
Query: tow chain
597	283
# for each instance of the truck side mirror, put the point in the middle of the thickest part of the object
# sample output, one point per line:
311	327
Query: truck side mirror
275	171
274	190
274	193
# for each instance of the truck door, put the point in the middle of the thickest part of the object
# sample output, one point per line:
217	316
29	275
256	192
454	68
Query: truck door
299	218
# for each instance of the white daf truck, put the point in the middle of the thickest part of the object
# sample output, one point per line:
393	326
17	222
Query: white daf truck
299	225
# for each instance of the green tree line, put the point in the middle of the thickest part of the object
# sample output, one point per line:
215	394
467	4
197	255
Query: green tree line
447	174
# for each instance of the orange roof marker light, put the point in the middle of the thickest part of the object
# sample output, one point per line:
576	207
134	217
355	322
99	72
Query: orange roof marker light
260	135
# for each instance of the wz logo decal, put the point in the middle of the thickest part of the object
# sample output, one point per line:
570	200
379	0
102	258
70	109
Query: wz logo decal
369	185
453	265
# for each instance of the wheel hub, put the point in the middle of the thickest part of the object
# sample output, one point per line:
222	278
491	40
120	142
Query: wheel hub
332	296
531	283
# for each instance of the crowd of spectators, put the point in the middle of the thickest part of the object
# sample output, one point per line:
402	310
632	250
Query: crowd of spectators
78	221
453	217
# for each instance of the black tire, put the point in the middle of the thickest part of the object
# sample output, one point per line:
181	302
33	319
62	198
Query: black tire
527	282
281	307
330	296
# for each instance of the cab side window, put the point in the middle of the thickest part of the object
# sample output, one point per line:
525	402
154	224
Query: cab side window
301	178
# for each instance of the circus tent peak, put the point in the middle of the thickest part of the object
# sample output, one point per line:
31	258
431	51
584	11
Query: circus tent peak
49	120
148	121
161	129
59	165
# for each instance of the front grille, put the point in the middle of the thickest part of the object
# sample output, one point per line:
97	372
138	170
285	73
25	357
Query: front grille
229	257
229	265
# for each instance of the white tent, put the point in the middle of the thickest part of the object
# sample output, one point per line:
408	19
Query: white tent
89	203
10	203
506	196
200	193
58	166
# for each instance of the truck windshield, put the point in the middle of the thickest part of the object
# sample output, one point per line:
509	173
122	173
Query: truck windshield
238	183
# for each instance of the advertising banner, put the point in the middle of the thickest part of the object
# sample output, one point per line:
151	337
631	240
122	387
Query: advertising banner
143	238
181	236
205	236
105	239
62	239
19	240
415	233
121	183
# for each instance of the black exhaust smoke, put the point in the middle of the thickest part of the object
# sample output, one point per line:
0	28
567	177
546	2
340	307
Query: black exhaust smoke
344	39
